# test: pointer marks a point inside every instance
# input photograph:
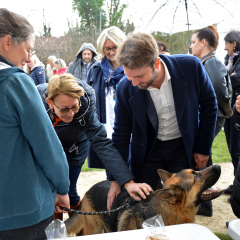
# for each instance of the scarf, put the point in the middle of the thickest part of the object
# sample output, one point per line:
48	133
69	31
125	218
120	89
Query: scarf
230	60
57	120
111	77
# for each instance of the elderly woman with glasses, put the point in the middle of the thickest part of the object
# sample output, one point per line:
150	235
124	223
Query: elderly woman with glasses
104	77
71	106
30	151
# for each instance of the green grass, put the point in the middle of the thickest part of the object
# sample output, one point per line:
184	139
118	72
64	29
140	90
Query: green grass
85	168
223	236
220	151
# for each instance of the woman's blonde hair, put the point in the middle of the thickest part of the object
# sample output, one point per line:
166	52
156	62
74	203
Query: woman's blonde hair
64	84
113	33
35	61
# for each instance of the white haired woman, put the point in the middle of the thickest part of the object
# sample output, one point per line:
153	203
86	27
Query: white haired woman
60	67
104	77
50	65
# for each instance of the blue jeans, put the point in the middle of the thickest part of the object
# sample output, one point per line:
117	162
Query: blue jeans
34	232
73	177
233	141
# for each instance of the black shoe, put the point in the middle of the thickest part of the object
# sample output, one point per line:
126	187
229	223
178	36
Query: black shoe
228	190
229	200
205	212
227	223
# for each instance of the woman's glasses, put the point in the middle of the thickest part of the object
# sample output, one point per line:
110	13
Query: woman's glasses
30	52
66	109
108	50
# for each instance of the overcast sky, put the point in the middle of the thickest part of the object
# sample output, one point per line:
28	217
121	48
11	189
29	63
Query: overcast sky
57	13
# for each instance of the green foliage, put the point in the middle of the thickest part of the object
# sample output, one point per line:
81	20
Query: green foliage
223	236
129	27
178	43
115	12
220	151
89	12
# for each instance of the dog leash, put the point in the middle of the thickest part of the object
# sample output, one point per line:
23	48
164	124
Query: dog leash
126	205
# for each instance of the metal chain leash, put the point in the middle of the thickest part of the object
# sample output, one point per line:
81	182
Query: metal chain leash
126	205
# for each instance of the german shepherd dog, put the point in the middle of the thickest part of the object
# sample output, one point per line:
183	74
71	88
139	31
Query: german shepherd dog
177	202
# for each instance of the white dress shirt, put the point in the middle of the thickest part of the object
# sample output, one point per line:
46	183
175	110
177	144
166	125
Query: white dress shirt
164	104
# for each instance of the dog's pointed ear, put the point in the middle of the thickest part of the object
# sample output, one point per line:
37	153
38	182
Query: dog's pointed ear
172	194
164	175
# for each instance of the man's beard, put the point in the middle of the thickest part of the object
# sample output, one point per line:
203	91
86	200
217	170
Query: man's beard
148	84
87	60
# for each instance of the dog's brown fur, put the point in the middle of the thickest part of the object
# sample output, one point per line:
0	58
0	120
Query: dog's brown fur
177	202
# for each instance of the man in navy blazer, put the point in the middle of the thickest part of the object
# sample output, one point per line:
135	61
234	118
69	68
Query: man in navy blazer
165	112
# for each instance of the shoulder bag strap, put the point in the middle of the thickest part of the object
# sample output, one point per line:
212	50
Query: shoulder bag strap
207	58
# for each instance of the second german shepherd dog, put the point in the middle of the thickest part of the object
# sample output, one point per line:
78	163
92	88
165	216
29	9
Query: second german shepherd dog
177	202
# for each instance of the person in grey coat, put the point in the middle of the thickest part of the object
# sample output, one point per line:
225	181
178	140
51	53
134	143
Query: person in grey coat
204	45
84	60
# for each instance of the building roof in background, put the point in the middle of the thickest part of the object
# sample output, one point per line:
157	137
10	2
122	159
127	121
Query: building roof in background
50	43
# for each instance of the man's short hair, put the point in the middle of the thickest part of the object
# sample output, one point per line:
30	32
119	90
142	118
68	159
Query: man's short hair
138	50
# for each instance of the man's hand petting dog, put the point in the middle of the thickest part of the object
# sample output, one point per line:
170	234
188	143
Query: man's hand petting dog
115	189
201	160
134	190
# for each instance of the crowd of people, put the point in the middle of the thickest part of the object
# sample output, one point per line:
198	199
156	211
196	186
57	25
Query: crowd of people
128	107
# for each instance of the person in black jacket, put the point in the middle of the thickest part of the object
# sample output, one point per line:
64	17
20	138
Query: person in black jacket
204	43
71	106
235	197
232	61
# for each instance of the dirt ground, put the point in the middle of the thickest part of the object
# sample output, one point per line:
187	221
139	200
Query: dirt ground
222	211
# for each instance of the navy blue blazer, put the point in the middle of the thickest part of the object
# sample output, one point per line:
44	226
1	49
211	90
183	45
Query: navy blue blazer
136	120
